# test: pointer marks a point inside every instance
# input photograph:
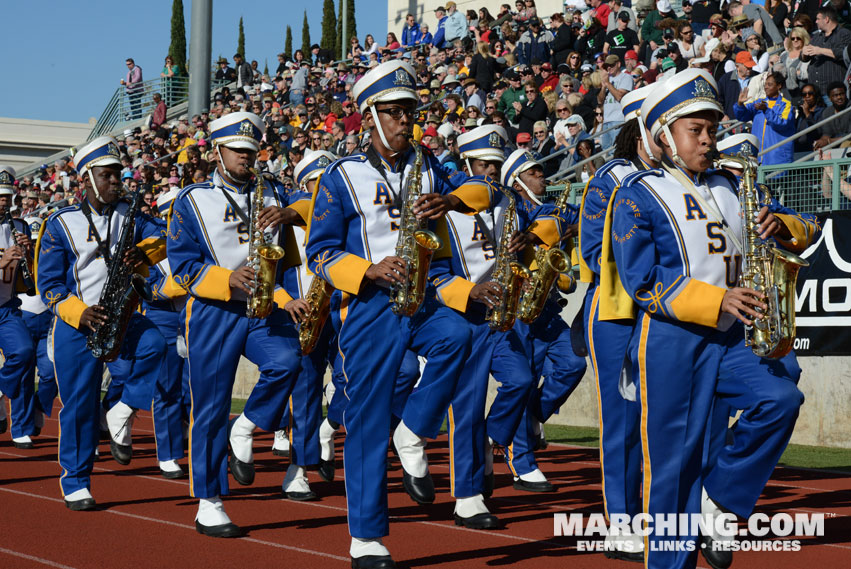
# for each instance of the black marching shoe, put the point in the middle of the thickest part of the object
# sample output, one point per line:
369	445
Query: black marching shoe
24	445
121	453
81	505
171	474
526	486
717	558
373	562
222	530
243	472
326	470
479	521
4	425
300	496
421	490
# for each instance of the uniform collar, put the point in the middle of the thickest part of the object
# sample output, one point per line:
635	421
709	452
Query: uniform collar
219	180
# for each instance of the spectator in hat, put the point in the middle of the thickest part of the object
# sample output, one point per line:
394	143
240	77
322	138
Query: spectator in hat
590	40
546	80
733	83
617	7
513	94
456	24
621	39
650	33
534	109
615	84
763	24
440	35
472	96
523	140
225	72
535	43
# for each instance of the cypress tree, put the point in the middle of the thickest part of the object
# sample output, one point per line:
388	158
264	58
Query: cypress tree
351	23
177	48
288	42
305	37
329	26
240	47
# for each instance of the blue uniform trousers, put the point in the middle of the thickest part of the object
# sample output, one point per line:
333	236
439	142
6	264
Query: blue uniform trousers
502	355
79	374
16	346
167	411
23	406
303	415
681	369
373	342
217	333
620	445
550	354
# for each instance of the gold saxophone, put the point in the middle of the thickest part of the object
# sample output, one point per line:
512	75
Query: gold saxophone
415	245
550	264
767	269
263	257
318	298
508	273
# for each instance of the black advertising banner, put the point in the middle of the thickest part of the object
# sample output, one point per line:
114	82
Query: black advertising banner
824	292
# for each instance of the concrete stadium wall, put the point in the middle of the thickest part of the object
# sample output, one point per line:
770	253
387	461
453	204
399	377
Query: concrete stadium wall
826	383
24	141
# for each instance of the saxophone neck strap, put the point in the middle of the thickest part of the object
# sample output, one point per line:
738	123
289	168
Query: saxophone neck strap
375	161
103	247
236	207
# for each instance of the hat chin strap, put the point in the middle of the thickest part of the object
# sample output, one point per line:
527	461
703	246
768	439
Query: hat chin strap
674	156
644	139
225	170
529	193
94	186
469	168
381	131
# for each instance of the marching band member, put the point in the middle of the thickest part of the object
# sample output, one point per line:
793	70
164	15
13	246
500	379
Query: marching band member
547	339
469	288
357	212
209	237
75	252
609	325
304	413
168	300
37	319
15	341
676	234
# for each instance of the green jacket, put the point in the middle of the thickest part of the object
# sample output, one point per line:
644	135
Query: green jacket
649	31
508	98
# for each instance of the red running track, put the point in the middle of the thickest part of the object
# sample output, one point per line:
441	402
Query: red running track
147	521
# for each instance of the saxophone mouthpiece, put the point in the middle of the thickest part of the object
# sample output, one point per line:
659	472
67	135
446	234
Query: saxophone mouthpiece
713	154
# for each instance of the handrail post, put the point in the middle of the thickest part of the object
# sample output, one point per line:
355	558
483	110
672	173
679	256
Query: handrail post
837	184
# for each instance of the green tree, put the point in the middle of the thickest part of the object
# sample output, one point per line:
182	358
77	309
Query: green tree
266	68
177	48
305	37
288	42
329	27
240	45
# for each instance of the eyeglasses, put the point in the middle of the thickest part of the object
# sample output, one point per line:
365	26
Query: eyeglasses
599	114
687	32
490	108
561	110
574	57
797	39
808	93
397	113
531	91
538	132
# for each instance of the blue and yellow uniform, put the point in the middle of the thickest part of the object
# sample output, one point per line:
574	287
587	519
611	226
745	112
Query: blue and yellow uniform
674	241
71	275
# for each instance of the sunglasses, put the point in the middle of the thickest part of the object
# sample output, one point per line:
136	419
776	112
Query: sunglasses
599	114
531	91
797	39
808	93
537	132
561	110
397	113
490	108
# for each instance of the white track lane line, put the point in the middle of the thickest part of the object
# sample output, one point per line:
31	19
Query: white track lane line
41	560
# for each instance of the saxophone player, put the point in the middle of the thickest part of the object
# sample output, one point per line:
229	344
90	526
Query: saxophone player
353	234
15	340
547	339
75	253
675	235
609	323
213	226
304	412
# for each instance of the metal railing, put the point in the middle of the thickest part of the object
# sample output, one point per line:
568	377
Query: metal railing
127	106
810	187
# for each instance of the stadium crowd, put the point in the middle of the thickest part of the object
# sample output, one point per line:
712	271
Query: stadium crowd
555	85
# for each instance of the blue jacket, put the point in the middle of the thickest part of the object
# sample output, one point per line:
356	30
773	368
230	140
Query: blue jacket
770	126
440	35
410	34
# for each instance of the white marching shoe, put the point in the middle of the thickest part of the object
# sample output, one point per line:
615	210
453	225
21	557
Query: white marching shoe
119	421
212	520
416	478
281	445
